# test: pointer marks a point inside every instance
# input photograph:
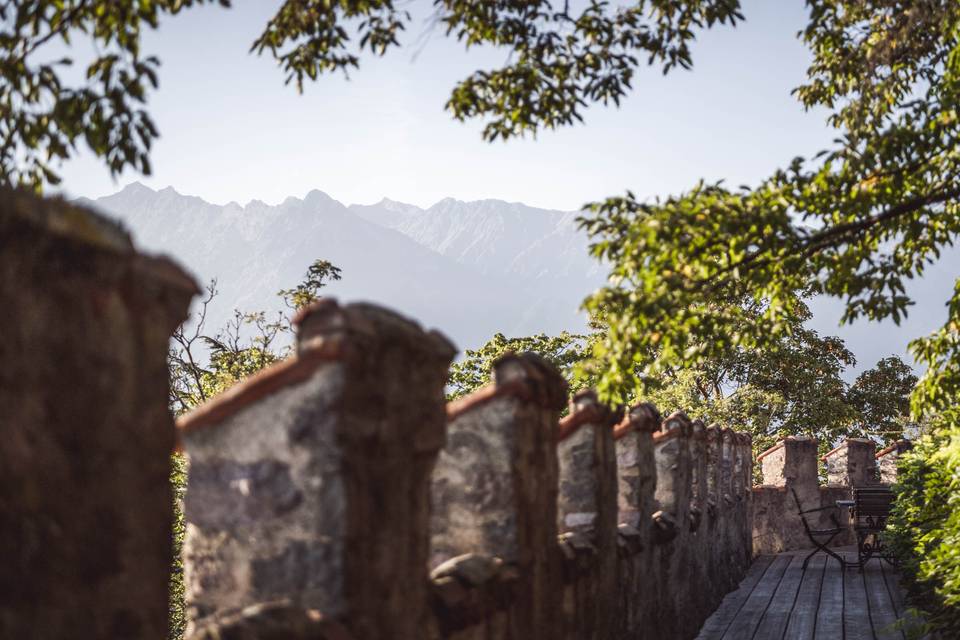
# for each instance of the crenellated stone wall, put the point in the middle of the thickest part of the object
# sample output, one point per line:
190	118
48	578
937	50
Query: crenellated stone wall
309	483
489	517
792	466
335	494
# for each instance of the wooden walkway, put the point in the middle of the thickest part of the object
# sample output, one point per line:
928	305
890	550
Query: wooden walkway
778	600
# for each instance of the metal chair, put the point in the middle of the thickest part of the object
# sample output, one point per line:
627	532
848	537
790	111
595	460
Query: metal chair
870	512
825	536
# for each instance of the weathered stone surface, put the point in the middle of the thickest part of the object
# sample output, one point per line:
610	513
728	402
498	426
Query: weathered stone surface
744	539
717	570
472	486
888	458
729	539
587	512
309	483
636	480
494	488
85	518
770	506
278	620
636	471
473	569
700	546
672	566
828	497
792	464
853	463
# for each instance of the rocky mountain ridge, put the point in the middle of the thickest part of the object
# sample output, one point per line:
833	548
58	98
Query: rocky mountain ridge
468	268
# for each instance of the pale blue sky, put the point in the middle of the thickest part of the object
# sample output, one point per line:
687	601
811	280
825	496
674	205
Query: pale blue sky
231	130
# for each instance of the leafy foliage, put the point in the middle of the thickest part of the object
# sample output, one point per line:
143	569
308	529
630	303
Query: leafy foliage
925	527
881	397
474	370
242	347
42	118
560	59
794	388
797	388
245	345
319	275
178	613
855	222
938	392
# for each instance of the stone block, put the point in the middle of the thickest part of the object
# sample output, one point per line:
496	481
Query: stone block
888	458
672	568
744	468
588	507
636	484
852	463
85	497
309	482
636	470
494	488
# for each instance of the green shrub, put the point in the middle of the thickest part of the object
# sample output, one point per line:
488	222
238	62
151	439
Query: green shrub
178	479
925	528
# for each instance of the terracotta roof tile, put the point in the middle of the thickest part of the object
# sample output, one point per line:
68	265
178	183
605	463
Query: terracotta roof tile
283	374
772	449
899	445
840	446
640	417
460	406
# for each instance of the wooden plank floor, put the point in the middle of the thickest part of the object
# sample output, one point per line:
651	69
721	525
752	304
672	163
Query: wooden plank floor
779	600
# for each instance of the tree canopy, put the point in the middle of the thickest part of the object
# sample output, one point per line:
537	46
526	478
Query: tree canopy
855	222
798	388
473	371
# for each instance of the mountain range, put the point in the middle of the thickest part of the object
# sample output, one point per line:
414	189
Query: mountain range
470	269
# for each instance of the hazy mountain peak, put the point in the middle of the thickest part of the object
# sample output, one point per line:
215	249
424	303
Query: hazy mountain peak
134	188
315	197
471	272
397	206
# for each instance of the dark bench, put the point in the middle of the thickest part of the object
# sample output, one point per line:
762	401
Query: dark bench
871	508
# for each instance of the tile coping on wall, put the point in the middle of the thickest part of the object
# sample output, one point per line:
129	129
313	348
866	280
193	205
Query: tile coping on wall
293	370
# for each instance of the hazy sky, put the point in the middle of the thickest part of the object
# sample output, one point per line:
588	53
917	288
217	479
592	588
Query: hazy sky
231	130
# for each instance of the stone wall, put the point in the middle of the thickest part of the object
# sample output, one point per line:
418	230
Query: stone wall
791	471
336	493
85	498
309	483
